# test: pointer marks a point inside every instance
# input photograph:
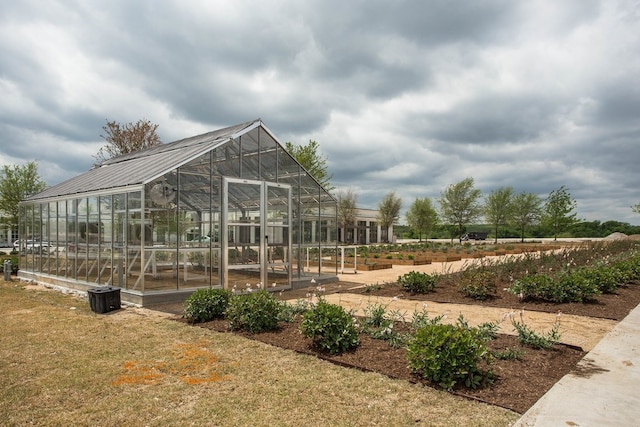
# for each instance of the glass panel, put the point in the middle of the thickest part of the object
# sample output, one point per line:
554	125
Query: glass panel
268	157
250	155
277	237
82	263
93	235
119	239
62	243
105	242
72	236
52	246
227	159
198	251
138	234
244	235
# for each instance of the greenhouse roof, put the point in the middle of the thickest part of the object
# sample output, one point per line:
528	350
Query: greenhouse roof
144	166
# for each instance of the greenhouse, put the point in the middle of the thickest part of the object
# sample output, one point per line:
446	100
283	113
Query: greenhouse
229	209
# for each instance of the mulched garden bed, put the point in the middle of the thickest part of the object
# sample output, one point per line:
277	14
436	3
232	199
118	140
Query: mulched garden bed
518	383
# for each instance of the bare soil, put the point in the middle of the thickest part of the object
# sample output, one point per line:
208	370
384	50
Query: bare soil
518	384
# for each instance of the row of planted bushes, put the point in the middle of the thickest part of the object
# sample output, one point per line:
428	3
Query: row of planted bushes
578	285
447	355
572	275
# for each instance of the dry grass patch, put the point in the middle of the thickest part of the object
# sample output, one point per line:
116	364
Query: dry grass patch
61	364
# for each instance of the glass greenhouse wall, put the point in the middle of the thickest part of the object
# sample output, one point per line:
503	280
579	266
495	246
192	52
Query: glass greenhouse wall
224	209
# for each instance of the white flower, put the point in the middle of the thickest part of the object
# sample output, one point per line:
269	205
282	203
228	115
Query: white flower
313	280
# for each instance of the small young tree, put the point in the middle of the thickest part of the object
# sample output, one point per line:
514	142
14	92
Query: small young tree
128	138
497	208
459	204
558	211
526	210
17	183
389	212
347	200
422	217
310	158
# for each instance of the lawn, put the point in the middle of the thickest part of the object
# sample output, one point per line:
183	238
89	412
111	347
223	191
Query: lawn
61	364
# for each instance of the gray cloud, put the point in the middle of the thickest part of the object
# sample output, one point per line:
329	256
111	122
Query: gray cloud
405	96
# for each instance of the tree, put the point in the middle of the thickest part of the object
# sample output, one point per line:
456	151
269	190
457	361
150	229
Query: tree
422	217
347	200
17	183
459	204
389	212
310	159
558	211
526	209
636	208
497	208
128	138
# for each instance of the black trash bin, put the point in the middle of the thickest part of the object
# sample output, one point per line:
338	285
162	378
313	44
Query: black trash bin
104	299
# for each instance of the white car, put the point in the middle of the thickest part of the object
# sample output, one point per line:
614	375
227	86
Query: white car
32	246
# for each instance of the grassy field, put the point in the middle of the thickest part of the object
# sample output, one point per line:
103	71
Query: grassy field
61	364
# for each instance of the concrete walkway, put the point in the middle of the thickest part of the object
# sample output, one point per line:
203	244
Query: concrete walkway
603	390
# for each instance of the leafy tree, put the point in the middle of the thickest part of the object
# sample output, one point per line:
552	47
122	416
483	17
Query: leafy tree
558	211
422	217
497	208
389	212
311	159
526	209
17	183
459	204
128	138
347	210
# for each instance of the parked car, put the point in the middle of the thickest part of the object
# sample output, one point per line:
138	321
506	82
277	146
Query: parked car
474	236
33	246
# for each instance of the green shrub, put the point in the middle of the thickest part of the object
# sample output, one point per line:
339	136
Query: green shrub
628	269
448	355
289	312
575	287
477	284
331	328
568	287
254	312
528	337
605	278
508	354
14	263
206	304
380	325
372	288
417	282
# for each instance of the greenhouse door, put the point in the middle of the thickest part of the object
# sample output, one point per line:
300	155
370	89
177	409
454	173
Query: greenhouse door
256	228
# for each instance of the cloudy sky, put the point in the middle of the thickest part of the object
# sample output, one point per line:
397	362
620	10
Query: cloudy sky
404	96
